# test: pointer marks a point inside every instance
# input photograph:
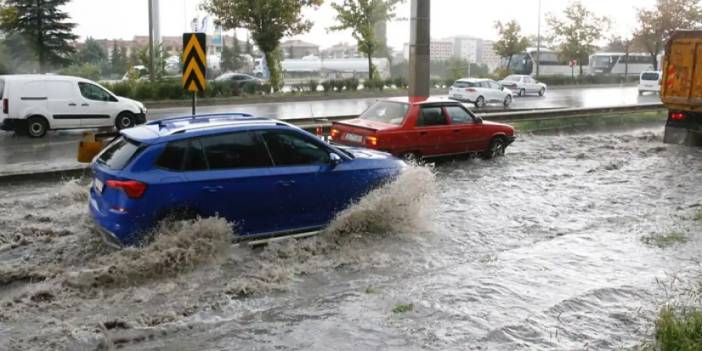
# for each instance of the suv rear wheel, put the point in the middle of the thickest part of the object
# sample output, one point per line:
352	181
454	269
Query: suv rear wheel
37	126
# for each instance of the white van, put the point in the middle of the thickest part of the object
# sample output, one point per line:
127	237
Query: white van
650	81
33	104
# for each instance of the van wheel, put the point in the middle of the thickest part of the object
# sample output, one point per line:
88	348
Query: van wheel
125	120
37	126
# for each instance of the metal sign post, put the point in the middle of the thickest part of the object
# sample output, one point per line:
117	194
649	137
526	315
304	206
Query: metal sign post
194	64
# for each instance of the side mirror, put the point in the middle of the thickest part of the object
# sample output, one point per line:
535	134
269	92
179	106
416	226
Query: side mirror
502	88
478	120
334	159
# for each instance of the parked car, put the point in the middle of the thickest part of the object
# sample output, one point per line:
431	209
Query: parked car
240	78
34	104
268	177
480	92
523	85
650	81
421	129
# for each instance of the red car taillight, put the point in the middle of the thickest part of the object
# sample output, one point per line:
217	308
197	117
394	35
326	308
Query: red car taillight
133	189
470	90
372	140
677	116
334	133
5	106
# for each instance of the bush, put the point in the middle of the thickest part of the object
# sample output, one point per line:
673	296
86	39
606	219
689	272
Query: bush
390	83
327	86
86	70
144	91
123	88
338	84
400	82
351	84
170	89
250	88
374	84
312	85
679	330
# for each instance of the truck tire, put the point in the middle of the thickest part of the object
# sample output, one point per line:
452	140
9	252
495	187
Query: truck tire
37	126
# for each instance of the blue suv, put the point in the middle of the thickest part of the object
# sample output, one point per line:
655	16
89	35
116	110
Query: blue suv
266	176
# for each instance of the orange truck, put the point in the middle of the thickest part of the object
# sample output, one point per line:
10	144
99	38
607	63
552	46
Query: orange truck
681	88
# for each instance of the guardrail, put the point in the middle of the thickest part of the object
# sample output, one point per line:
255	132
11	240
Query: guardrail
524	115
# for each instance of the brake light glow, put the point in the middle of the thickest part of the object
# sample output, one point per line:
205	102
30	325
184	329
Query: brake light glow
133	189
334	133
677	116
372	141
5	106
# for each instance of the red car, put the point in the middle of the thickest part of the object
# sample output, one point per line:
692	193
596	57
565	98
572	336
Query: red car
428	128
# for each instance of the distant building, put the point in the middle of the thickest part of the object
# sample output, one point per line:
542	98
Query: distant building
466	48
439	50
341	50
488	56
297	49
172	44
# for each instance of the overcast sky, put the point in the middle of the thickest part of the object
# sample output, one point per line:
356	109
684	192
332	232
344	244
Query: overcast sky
122	19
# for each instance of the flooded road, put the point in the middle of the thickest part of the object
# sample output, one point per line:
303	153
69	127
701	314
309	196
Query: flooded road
551	247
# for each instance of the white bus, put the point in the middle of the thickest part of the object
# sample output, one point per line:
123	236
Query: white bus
549	64
615	63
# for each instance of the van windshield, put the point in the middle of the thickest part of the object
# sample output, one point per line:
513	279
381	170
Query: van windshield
119	153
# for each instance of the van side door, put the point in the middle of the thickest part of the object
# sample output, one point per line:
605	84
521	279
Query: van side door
97	107
62	104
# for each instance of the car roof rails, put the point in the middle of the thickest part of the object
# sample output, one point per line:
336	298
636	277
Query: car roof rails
206	118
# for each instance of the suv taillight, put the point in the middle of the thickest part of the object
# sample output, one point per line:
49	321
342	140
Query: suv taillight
5	106
133	189
470	90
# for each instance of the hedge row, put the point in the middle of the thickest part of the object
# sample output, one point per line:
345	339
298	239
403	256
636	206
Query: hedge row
173	90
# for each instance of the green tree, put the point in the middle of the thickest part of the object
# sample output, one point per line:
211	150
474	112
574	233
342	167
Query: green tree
92	52
268	21
576	32
657	24
159	59
361	17
44	26
231	60
511	41
249	46
118	60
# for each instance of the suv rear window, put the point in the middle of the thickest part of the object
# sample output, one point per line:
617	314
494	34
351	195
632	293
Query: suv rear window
387	112
119	153
649	76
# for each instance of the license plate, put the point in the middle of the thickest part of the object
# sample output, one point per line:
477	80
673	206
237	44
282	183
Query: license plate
353	137
98	185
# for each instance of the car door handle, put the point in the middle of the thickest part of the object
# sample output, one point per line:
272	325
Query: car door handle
71	104
85	105
212	189
285	183
423	133
456	130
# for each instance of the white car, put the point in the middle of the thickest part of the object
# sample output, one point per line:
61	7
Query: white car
480	92
650	81
523	85
33	104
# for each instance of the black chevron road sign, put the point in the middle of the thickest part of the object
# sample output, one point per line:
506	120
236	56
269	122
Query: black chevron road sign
194	61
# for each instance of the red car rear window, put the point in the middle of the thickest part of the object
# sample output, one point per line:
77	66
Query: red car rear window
387	112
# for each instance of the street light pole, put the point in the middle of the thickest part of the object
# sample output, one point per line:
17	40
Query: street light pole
538	43
152	75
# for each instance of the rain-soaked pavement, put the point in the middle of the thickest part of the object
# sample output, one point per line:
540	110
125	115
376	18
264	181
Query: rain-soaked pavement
542	249
58	149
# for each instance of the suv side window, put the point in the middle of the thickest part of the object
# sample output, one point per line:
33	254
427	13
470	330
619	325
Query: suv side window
290	149
183	155
234	150
431	116
459	115
93	92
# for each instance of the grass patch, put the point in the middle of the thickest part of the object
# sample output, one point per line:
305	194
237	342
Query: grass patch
403	308
698	215
370	290
665	240
679	330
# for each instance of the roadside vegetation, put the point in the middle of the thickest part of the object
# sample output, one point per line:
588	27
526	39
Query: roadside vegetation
679	330
665	240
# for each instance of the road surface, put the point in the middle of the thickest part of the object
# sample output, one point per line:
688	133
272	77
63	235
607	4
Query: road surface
58	149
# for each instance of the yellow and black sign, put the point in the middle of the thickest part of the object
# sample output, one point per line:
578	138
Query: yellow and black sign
194	61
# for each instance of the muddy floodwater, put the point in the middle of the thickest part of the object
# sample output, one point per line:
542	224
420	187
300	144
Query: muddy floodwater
553	246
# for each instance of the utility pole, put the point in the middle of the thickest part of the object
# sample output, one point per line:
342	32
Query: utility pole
538	43
419	53
152	73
